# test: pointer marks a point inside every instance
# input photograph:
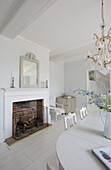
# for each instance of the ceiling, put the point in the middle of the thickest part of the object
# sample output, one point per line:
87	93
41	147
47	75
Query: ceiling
16	15
65	27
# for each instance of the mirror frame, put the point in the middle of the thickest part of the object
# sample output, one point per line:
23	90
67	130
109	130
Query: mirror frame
31	58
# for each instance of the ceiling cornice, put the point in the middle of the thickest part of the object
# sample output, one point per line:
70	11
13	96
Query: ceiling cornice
21	14
72	55
33	43
12	10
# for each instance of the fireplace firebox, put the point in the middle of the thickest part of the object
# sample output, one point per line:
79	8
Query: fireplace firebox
28	117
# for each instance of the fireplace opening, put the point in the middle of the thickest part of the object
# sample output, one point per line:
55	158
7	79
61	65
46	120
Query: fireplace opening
28	117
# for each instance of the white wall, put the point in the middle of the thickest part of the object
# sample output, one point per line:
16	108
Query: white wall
74	78
1	117
10	52
56	79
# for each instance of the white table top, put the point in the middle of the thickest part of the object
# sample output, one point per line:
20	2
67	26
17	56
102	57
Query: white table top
74	146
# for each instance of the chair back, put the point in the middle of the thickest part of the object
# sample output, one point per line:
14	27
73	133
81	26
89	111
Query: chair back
53	102
71	117
56	108
83	112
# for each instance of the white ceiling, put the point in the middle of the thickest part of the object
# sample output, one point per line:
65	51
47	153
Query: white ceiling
68	25
63	28
16	15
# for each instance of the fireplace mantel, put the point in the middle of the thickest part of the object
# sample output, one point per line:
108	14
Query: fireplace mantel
24	91
11	95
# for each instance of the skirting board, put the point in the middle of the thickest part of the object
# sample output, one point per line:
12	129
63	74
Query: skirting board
1	136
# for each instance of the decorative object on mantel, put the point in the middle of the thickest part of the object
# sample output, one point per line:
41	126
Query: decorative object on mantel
12	80
102	58
44	84
103	102
29	71
12	83
31	56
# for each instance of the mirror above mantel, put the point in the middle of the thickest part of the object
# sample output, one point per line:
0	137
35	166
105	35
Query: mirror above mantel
29	71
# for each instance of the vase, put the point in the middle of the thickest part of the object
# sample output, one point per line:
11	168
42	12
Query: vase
107	124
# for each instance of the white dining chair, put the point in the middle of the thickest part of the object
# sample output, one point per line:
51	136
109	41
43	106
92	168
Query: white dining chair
56	109
83	112
71	118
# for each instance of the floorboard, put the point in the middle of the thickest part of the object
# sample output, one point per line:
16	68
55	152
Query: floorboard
33	152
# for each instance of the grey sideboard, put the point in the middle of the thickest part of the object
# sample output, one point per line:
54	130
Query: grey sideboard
69	103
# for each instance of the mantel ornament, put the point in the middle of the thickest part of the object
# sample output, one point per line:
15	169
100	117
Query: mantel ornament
31	56
29	71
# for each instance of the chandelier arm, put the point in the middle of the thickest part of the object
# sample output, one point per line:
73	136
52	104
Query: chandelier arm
109	32
107	37
96	36
105	64
98	64
109	46
91	58
95	55
96	42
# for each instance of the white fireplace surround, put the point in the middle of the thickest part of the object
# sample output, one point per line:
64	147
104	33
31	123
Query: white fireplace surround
20	94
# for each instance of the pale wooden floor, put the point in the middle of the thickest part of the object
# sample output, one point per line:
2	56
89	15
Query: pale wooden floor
33	152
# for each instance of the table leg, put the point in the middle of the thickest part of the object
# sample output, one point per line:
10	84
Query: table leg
60	166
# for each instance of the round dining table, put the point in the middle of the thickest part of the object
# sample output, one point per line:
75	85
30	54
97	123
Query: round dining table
74	146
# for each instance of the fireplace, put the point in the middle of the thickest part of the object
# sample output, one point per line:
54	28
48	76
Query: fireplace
16	95
28	117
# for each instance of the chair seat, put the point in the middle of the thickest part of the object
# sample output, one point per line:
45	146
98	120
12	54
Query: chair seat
57	111
60	110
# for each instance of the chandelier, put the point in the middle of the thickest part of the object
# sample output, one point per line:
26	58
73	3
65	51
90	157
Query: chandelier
102	57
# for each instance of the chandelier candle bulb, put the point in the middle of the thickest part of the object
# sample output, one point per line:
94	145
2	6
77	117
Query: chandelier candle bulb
46	83
88	53
12	74
102	46
99	45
